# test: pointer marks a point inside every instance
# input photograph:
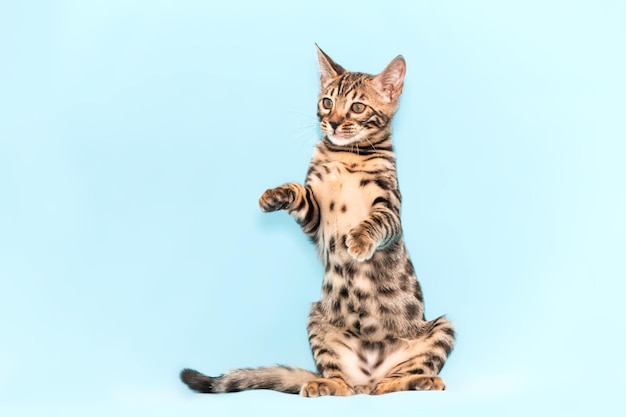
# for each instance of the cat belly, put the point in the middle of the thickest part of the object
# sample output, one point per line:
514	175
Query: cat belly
364	365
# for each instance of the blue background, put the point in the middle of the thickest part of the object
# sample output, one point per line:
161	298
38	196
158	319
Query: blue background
136	137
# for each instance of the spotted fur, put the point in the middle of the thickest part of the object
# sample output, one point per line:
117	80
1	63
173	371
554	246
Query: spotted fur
368	332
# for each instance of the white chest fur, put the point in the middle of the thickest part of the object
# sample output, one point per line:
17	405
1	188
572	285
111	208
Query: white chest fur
343	201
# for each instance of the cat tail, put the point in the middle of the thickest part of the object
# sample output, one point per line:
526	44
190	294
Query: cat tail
278	378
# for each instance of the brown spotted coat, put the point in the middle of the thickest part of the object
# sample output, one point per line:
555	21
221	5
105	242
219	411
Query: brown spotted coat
368	332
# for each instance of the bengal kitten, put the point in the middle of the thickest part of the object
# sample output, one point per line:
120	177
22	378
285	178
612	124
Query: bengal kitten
368	333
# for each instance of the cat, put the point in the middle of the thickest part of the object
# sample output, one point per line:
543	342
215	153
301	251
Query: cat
368	333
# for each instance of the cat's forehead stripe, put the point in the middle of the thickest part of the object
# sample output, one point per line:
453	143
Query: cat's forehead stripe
348	82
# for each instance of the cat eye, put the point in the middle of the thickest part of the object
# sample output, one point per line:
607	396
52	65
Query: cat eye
327	103
358	107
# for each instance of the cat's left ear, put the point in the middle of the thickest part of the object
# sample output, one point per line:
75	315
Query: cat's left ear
390	81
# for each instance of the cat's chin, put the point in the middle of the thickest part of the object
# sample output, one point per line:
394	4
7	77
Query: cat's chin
343	140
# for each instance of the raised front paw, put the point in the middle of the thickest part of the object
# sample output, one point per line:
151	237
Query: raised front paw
276	198
360	245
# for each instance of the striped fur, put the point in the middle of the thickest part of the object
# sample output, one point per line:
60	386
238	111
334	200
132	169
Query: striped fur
368	332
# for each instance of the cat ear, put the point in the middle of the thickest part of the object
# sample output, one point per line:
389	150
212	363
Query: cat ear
390	81
329	69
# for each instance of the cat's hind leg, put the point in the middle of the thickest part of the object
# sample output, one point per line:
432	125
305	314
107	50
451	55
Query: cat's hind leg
325	340
426	356
410	383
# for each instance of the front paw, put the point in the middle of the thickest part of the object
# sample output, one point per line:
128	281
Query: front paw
360	245
276	199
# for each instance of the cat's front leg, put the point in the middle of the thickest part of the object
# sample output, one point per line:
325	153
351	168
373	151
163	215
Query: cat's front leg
380	229
360	245
298	200
278	198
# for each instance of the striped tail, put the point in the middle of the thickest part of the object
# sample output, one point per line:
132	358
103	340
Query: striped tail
277	378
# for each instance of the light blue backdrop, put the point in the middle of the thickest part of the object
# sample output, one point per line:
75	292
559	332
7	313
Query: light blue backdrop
136	137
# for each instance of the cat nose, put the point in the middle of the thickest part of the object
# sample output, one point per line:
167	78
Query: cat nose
333	124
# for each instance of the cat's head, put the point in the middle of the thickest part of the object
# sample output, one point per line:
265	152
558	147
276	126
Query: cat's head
355	107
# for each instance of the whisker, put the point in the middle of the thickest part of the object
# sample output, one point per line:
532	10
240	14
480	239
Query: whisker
371	144
306	134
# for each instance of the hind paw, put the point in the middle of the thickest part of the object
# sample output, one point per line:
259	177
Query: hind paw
411	383
428	383
321	387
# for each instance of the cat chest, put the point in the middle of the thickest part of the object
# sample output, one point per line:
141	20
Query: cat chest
342	199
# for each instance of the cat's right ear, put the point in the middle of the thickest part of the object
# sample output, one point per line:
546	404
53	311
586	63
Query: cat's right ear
329	69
